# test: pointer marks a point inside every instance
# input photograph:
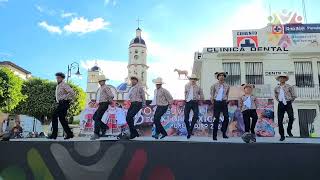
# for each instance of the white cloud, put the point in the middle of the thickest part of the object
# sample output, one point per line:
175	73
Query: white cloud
82	25
50	28
67	14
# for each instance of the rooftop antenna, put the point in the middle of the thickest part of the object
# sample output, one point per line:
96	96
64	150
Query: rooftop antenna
304	11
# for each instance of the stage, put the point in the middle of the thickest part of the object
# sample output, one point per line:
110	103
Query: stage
172	158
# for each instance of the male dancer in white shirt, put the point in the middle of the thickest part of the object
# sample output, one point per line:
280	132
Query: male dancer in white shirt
193	94
219	97
285	95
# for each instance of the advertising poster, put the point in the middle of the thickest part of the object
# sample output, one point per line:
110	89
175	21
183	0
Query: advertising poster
173	119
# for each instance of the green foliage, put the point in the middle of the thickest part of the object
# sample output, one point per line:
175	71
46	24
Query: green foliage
41	99
10	90
79	102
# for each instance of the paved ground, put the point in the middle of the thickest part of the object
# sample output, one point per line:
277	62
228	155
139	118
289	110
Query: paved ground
193	139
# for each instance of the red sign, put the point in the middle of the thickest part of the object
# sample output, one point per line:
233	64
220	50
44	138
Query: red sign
277	29
247	41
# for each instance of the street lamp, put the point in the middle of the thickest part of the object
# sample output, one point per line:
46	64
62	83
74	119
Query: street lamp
73	65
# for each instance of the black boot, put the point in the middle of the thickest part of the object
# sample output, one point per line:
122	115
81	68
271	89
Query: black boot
224	135
69	136
163	136
214	138
52	136
156	136
134	135
189	133
289	133
282	138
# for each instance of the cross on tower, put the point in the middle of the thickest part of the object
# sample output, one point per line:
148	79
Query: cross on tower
139	20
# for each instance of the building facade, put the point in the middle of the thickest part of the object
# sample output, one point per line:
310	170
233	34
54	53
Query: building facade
260	65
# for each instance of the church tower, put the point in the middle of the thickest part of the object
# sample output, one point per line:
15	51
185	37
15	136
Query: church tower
92	82
137	65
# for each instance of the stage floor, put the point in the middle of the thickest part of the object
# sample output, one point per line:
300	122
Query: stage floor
192	139
173	158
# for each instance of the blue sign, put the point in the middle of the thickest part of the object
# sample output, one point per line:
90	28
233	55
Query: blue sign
301	28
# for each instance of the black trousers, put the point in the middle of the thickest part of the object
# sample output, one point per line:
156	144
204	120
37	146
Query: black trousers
61	113
132	111
157	119
247	116
220	107
98	124
281	110
191	105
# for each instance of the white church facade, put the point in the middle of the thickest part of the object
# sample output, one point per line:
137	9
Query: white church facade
137	66
253	59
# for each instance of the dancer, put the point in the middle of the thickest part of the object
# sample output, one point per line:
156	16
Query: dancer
248	106
138	100
103	99
162	99
219	96
64	95
285	95
193	94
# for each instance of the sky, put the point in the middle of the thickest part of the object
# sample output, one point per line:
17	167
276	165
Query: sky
44	36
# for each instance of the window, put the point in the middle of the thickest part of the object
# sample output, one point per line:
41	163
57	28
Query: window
303	74
234	75
254	72
306	119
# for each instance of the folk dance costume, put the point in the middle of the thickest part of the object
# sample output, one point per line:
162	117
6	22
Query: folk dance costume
162	99
193	94
219	96
64	95
104	99
248	108
285	95
138	100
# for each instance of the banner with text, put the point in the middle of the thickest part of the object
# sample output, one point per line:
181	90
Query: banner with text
173	120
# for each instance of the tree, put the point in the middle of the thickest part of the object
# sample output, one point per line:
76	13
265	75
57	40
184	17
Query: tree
41	99
79	102
10	90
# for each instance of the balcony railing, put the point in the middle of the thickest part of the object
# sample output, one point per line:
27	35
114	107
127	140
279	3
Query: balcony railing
308	92
267	91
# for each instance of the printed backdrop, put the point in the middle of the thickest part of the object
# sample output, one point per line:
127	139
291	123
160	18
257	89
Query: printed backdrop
173	120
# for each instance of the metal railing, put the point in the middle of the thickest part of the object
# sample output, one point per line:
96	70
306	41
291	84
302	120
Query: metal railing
308	92
267	91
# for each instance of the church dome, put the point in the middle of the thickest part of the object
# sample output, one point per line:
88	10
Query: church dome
122	87
95	68
137	40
